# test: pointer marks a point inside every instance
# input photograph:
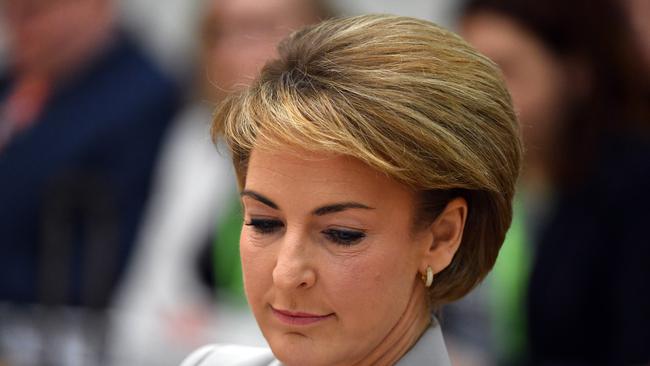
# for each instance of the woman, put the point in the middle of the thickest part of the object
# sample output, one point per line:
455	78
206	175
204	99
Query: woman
377	159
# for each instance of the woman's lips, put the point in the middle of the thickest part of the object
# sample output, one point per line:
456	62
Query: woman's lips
298	318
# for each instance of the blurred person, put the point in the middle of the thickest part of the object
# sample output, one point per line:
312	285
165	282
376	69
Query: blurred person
571	285
168	303
82	111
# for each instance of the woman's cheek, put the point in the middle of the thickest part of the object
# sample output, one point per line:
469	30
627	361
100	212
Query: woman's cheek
253	265
372	277
353	283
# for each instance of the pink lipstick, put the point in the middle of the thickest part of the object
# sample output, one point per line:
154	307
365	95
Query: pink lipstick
298	318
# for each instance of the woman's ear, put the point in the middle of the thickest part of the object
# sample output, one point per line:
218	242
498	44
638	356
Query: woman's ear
447	234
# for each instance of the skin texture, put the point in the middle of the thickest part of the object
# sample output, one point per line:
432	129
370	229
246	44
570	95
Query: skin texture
535	77
368	289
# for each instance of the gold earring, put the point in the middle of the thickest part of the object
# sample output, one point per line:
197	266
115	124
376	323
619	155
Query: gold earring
428	278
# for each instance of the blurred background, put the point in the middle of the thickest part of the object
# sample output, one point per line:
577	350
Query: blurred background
119	218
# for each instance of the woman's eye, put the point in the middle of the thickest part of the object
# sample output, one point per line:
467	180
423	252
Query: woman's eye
265	226
344	237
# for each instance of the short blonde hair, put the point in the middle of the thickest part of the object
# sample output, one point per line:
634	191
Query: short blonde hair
408	98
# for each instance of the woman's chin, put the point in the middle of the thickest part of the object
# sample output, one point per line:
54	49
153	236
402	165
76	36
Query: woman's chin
295	349
296	356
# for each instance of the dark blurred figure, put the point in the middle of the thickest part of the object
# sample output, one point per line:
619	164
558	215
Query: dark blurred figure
82	111
578	82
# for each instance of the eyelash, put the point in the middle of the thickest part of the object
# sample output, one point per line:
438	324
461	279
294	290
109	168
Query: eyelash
344	237
265	226
337	236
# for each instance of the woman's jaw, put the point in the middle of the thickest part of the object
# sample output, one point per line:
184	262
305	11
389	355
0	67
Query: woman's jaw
405	333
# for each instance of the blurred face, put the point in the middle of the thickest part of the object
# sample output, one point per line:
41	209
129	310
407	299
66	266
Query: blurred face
328	255
50	37
534	76
241	35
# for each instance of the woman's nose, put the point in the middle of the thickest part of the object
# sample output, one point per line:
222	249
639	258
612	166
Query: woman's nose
293	268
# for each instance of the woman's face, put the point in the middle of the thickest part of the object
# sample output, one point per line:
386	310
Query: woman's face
329	258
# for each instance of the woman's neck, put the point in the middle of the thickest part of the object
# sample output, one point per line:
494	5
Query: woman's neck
405	333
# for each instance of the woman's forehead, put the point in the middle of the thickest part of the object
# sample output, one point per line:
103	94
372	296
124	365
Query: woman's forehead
320	176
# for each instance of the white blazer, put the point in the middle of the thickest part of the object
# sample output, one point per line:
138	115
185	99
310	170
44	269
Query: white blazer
429	350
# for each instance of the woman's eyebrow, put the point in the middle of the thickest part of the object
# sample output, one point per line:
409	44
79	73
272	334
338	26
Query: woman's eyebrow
258	197
338	207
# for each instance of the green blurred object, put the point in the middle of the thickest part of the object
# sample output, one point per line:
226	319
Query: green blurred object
508	293
227	264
